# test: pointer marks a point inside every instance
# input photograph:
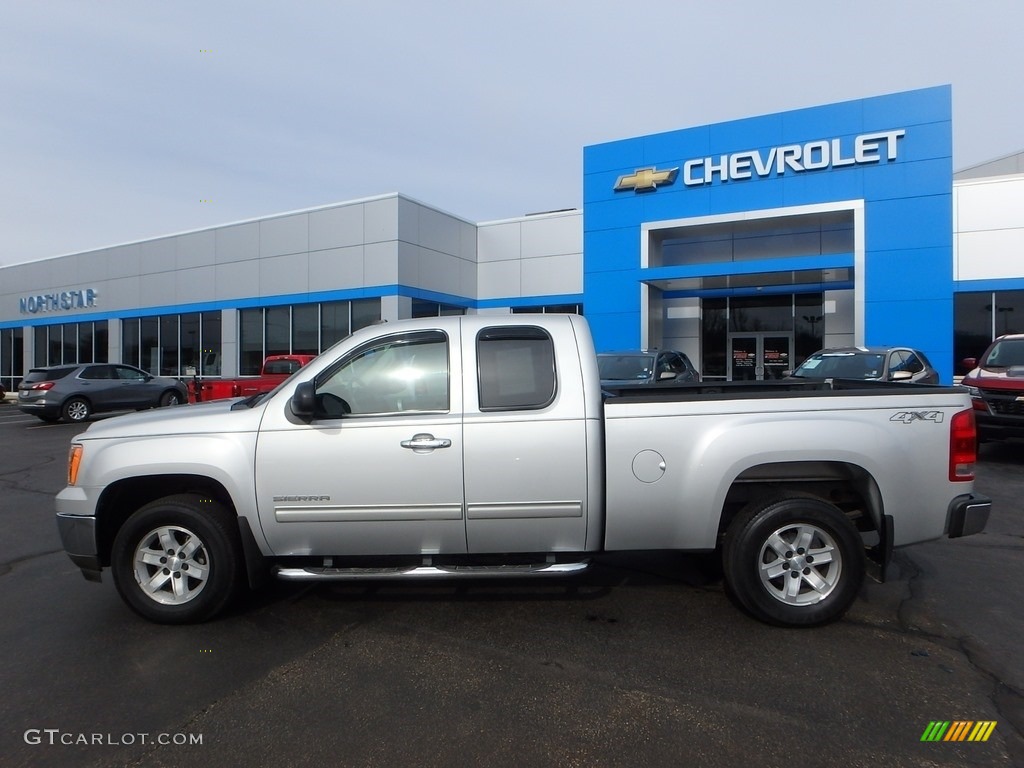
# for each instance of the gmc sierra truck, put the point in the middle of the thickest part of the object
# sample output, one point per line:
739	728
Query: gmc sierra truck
483	446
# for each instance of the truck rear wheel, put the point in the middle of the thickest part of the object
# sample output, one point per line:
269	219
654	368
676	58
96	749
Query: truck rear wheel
177	560
793	561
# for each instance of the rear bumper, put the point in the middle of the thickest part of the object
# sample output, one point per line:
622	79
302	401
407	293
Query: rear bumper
967	515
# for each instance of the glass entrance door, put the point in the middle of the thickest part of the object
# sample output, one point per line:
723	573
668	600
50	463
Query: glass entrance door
759	356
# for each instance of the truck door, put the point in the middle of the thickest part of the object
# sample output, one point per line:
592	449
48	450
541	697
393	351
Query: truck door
379	469
525	444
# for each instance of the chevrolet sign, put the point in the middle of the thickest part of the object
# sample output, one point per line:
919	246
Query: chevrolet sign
814	155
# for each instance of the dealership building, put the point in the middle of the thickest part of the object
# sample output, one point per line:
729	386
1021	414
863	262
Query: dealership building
747	245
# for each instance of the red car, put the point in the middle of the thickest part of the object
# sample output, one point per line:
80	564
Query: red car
996	386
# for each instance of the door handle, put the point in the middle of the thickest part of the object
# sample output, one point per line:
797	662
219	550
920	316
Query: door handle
424	442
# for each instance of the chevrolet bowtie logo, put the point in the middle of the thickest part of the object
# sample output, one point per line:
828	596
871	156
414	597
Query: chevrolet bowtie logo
645	179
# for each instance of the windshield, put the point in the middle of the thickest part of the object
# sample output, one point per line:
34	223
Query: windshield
842	365
1005	354
625	367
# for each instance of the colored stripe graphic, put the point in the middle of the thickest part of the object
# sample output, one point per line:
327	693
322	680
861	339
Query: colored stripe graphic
958	730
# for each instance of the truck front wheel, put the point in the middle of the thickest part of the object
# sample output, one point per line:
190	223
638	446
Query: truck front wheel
793	561
177	560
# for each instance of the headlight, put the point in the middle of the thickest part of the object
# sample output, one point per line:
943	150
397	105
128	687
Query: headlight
973	391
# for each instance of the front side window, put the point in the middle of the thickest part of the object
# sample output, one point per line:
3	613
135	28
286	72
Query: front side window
402	374
516	368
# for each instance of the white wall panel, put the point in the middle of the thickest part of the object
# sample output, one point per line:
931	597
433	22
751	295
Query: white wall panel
989	255
438	231
995	204
284	235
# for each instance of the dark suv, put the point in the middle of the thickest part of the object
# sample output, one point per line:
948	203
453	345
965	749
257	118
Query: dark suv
996	386
643	367
75	392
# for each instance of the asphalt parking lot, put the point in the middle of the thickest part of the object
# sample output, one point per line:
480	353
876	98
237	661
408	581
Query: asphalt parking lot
639	662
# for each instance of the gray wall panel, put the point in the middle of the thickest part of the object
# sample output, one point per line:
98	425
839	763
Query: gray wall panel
284	274
380	263
238	242
122	293
195	285
156	290
499	279
552	275
552	236
196	249
380	220
283	235
336	227
158	255
237	280
123	260
336	268
439	231
499	242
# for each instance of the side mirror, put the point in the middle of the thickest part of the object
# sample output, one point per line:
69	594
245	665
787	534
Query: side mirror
970	363
902	376
303	402
666	376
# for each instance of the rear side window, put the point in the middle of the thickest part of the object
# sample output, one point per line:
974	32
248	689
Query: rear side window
40	374
515	368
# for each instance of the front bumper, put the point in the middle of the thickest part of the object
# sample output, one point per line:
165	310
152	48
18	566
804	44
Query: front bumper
78	535
967	515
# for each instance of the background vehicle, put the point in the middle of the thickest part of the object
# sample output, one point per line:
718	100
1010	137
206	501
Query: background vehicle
75	392
276	369
899	364
645	367
996	387
476	446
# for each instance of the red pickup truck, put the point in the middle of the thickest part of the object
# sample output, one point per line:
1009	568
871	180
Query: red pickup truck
276	369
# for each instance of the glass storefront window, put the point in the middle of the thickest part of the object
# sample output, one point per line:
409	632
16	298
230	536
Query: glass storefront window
980	317
250	341
211	344
306	329
12	350
333	323
149	344
714	339
188	355
365	312
278	330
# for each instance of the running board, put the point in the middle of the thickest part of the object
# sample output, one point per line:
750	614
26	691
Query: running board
431	572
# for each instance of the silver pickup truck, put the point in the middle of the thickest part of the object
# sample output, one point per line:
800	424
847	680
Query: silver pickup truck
483	446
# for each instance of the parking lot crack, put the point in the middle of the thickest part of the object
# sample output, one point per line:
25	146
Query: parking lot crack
8	566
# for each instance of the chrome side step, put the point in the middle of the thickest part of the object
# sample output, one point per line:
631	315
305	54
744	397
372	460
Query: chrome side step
431	572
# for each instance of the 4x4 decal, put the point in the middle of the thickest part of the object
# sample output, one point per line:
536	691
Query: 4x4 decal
909	417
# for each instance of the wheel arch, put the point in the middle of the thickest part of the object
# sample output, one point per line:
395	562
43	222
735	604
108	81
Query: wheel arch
122	498
850	487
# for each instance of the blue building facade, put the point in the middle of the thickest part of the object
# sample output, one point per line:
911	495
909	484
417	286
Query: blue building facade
753	242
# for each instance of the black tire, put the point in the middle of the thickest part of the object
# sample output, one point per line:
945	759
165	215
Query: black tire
770	541
190	541
170	397
76	410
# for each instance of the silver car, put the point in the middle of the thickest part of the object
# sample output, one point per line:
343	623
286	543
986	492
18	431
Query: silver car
75	392
900	364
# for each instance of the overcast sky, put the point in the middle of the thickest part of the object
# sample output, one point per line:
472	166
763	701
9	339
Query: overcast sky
122	120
